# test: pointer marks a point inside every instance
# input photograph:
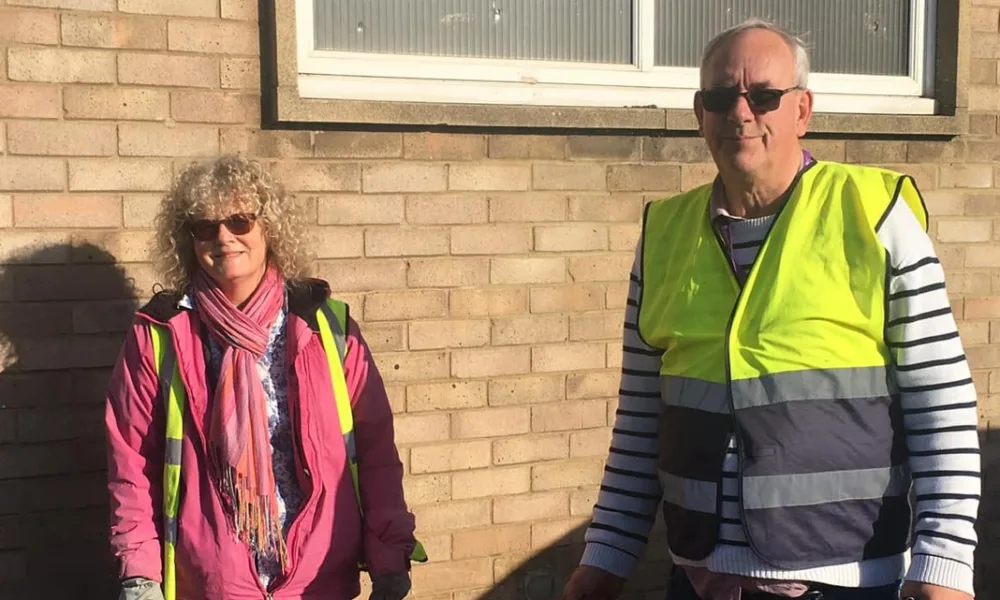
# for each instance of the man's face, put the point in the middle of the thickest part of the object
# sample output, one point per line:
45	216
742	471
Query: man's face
743	139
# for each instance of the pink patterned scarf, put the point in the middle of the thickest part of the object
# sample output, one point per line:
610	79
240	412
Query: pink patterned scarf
238	435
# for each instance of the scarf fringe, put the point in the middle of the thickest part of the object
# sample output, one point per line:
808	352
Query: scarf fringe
254	517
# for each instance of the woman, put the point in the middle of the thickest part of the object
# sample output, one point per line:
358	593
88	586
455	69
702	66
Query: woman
235	481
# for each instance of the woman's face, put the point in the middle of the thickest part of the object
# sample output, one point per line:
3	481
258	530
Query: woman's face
230	246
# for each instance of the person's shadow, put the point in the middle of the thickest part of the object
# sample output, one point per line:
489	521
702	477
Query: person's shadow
63	313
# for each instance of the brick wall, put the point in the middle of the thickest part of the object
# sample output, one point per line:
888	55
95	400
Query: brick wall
489	272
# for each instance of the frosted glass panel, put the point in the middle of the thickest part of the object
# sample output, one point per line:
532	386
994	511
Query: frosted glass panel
593	31
870	37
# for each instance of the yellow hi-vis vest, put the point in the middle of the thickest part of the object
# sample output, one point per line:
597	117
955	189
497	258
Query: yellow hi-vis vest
332	320
794	363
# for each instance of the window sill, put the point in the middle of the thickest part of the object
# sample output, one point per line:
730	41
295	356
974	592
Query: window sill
291	108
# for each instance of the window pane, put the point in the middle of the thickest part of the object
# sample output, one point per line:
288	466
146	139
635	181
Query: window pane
595	31
870	37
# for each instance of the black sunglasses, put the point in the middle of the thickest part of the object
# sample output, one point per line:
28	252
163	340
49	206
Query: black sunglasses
722	100
206	230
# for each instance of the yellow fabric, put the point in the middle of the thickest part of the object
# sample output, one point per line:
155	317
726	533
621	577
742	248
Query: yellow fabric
814	298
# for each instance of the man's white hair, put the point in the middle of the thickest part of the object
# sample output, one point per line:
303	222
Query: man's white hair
797	46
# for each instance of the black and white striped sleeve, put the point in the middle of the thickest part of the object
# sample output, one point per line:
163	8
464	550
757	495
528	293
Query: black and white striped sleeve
939	405
630	489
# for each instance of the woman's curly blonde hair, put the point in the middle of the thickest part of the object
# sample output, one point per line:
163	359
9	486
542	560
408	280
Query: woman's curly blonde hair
205	189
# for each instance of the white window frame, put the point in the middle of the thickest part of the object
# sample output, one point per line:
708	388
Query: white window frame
325	74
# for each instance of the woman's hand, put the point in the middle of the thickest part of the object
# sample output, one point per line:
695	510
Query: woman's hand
390	586
140	588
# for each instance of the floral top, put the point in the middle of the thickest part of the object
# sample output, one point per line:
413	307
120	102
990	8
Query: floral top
274	375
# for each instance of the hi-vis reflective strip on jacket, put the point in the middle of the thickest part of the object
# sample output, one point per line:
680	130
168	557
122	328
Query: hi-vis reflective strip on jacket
332	320
794	362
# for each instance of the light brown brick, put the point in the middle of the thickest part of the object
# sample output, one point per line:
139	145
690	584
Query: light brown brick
602	207
34	247
168	70
695	175
28	27
455	456
644	177
596	326
452	209
565	474
363	275
426	335
67	211
115	103
675	150
864	151
154	139
494	541
409	241
974	333
528	146
982	308
447	272
527	270
457	574
427	489
133	175
388	337
240	73
530	448
351	144
93	5
319	177
29	101
412	366
488	302
567	357
68	138
623	237
569	415
6	211
569	177
212	37
567	298
616	296
122	246
531	507
344	209
443	146
491	422
239	9
592	442
492	482
941	203
337	242
31	174
970	283
490	239
402	306
964	231
448	516
213	107
981	256
405	177
983	71
266	144
421	429
552	534
179	8
582	501
570	238
603	147
114	31
529	329
490	362
528	207
966	176
526	390
450	395
593	384
57	65
488	176
985	18
600	267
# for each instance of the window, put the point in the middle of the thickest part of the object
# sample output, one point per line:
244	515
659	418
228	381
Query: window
868	56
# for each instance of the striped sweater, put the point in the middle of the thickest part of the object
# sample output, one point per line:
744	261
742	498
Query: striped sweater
939	404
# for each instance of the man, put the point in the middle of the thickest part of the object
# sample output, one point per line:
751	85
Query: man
791	365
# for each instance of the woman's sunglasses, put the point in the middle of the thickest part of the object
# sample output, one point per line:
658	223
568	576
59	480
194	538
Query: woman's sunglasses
722	100
205	230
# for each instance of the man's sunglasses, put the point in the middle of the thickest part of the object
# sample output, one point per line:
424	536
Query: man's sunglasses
722	100
205	230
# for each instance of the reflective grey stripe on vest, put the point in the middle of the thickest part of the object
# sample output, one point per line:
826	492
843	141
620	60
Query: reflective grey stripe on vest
698	394
171	530
173	452
806	489
691	494
829	384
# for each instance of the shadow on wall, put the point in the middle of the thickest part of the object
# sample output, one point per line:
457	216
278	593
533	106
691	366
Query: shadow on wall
988	552
63	313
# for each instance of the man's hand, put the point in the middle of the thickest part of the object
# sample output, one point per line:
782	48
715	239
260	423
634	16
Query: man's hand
591	583
927	591
390	586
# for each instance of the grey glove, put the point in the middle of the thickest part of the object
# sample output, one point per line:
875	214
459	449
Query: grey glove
140	588
390	586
